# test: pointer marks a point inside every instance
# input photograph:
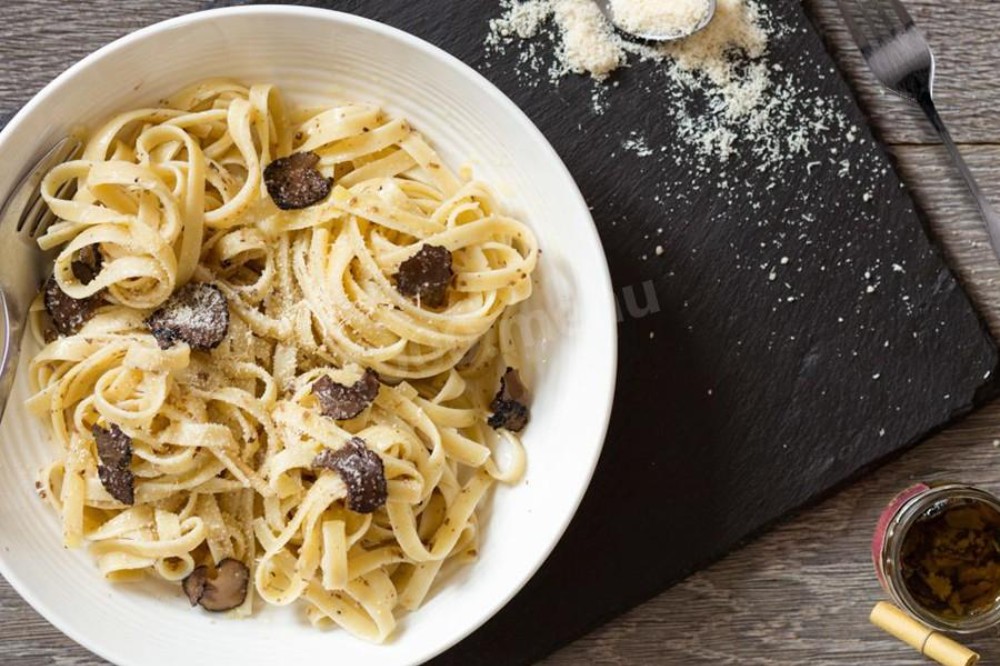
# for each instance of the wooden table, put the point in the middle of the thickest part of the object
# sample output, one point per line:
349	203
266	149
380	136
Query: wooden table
802	593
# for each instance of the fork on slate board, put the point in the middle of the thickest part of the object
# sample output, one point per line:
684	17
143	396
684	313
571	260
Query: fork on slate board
902	61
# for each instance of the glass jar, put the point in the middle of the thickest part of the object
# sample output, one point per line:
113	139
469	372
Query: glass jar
906	510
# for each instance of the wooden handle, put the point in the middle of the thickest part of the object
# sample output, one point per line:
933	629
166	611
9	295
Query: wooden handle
927	641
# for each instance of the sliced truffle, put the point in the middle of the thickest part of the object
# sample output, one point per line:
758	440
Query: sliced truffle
345	402
362	472
87	264
218	588
294	181
69	314
510	405
113	446
198	314
114	449
426	275
120	483
194	584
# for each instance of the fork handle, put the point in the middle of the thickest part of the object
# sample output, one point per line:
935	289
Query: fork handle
990	215
10	342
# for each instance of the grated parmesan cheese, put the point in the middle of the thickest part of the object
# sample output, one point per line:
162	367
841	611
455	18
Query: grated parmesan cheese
722	92
522	19
589	43
659	17
732	109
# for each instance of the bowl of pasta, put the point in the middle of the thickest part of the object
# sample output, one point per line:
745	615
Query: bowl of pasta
302	380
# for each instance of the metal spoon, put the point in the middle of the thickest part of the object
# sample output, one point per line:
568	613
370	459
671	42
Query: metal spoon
656	37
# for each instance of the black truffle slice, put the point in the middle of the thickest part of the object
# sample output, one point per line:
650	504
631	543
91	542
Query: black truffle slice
426	275
194	584
69	314
87	264
114	448
510	408
362	472
345	402
198	314
294	182
218	588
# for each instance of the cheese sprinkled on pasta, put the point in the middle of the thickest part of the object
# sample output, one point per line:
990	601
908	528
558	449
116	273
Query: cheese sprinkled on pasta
223	440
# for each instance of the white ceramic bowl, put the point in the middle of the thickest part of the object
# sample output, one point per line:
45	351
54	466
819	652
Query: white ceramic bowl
314	55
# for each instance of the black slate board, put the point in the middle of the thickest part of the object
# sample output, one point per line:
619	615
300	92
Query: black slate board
740	397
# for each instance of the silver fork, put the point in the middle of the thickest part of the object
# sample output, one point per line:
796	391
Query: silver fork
23	266
902	61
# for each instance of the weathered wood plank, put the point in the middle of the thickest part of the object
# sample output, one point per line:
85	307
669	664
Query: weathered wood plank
42	38
802	592
955	220
47	36
962	35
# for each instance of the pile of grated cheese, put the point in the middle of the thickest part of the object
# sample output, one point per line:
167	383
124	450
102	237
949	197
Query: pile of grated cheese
742	101
673	17
725	116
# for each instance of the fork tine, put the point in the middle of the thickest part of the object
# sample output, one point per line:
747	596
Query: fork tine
35	210
904	16
896	52
42	216
875	19
28	213
852	25
25	193
889	25
44	222
47	220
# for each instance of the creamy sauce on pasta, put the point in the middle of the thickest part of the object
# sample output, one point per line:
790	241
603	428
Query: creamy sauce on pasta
223	440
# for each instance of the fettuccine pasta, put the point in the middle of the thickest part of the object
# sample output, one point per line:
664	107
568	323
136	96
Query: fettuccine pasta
257	369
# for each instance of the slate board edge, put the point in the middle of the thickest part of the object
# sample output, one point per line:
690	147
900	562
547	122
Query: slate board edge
819	498
986	392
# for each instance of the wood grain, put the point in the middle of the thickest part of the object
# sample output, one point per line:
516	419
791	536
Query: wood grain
962	36
802	592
